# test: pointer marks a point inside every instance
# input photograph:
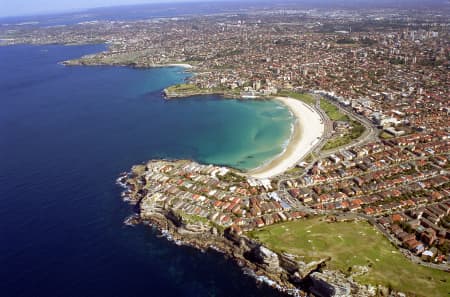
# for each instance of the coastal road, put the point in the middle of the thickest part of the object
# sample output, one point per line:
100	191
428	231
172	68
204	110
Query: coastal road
370	135
394	241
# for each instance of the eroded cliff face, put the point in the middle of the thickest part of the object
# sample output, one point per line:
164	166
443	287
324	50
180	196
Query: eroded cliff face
203	236
292	276
267	259
281	270
284	270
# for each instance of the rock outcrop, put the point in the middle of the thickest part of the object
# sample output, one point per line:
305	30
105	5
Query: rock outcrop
281	270
322	287
267	258
329	283
299	268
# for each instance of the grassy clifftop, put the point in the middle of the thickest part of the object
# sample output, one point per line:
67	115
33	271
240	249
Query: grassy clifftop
180	88
186	90
352	245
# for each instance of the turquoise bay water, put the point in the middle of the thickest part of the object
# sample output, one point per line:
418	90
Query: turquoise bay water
65	135
241	134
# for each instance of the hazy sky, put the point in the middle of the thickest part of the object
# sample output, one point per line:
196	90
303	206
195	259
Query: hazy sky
26	7
30	7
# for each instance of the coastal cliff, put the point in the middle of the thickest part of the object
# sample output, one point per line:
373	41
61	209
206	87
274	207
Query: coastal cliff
263	263
283	271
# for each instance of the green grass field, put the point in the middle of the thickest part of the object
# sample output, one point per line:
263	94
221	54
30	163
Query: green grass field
194	89
183	88
307	98
353	244
335	115
385	135
333	112
337	141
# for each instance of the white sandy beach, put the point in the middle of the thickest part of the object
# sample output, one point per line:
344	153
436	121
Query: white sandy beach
308	130
182	65
187	66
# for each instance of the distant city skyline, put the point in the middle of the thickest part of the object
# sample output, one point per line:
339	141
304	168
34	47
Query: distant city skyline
14	8
31	7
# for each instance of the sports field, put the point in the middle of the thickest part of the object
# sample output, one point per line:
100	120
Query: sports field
352	245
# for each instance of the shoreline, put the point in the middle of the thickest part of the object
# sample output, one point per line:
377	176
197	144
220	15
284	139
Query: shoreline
245	252
308	129
300	143
182	65
81	62
280	270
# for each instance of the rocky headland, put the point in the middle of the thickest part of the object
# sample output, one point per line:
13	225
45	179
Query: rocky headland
282	271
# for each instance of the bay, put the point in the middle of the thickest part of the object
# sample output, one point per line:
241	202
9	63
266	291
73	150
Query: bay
65	135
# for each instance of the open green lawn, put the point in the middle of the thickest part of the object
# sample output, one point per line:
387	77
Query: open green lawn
335	115
333	112
385	135
337	141
307	98
353	244
183	88
194	89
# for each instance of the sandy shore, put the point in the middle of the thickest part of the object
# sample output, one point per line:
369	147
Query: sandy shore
308	129
187	66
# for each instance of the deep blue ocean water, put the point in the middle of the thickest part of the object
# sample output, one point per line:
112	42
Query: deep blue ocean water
65	135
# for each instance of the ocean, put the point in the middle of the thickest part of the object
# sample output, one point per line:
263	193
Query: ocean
65	135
